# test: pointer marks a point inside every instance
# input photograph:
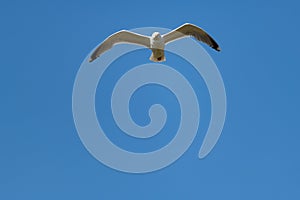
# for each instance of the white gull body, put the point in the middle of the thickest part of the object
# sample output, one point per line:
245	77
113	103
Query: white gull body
156	43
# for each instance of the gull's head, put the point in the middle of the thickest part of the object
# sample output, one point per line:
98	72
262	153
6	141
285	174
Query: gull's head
156	36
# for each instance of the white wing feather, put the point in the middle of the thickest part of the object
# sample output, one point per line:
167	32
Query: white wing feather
191	30
120	37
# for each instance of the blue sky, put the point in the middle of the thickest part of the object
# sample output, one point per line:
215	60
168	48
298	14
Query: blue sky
42	46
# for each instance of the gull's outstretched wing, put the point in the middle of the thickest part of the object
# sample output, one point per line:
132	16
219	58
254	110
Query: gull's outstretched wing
191	30
120	37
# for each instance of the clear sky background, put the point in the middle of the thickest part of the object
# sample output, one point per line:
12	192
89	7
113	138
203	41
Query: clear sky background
42	46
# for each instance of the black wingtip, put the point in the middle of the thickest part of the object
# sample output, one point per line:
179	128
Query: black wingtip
91	60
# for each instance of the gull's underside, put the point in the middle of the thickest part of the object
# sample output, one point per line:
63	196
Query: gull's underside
156	42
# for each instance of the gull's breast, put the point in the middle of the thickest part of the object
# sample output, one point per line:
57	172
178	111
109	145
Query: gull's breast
157	44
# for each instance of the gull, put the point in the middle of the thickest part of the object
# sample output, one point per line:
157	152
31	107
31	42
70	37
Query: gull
156	43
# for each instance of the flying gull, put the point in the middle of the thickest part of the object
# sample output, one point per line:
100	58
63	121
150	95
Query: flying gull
156	43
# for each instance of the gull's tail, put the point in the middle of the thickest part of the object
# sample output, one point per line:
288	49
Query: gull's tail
158	55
